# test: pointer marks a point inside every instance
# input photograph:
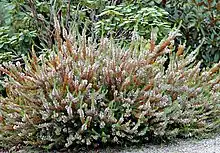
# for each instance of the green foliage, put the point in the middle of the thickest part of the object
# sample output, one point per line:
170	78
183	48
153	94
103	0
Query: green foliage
200	19
118	19
16	34
14	44
84	93
121	20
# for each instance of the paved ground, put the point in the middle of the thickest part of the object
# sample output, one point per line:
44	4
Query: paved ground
211	145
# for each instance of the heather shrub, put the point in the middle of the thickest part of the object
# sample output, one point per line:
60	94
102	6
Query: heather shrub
86	92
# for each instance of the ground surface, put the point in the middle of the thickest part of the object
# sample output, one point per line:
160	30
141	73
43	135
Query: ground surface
192	146
210	145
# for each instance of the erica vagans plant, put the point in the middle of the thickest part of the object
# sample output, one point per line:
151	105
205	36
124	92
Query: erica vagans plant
88	93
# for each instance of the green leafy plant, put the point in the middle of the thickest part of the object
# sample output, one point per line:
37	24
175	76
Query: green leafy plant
16	36
200	19
84	93
121	20
13	45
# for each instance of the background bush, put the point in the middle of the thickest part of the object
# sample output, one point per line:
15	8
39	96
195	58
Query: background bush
30	19
16	32
121	20
200	19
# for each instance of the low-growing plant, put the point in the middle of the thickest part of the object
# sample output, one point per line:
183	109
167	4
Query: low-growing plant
88	93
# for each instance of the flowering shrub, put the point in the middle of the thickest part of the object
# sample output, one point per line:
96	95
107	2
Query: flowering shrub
85	93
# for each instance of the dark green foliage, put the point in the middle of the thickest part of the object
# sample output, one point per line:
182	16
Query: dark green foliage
14	44
16	33
117	18
201	18
121	20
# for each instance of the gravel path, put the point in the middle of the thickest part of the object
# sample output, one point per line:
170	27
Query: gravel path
211	145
